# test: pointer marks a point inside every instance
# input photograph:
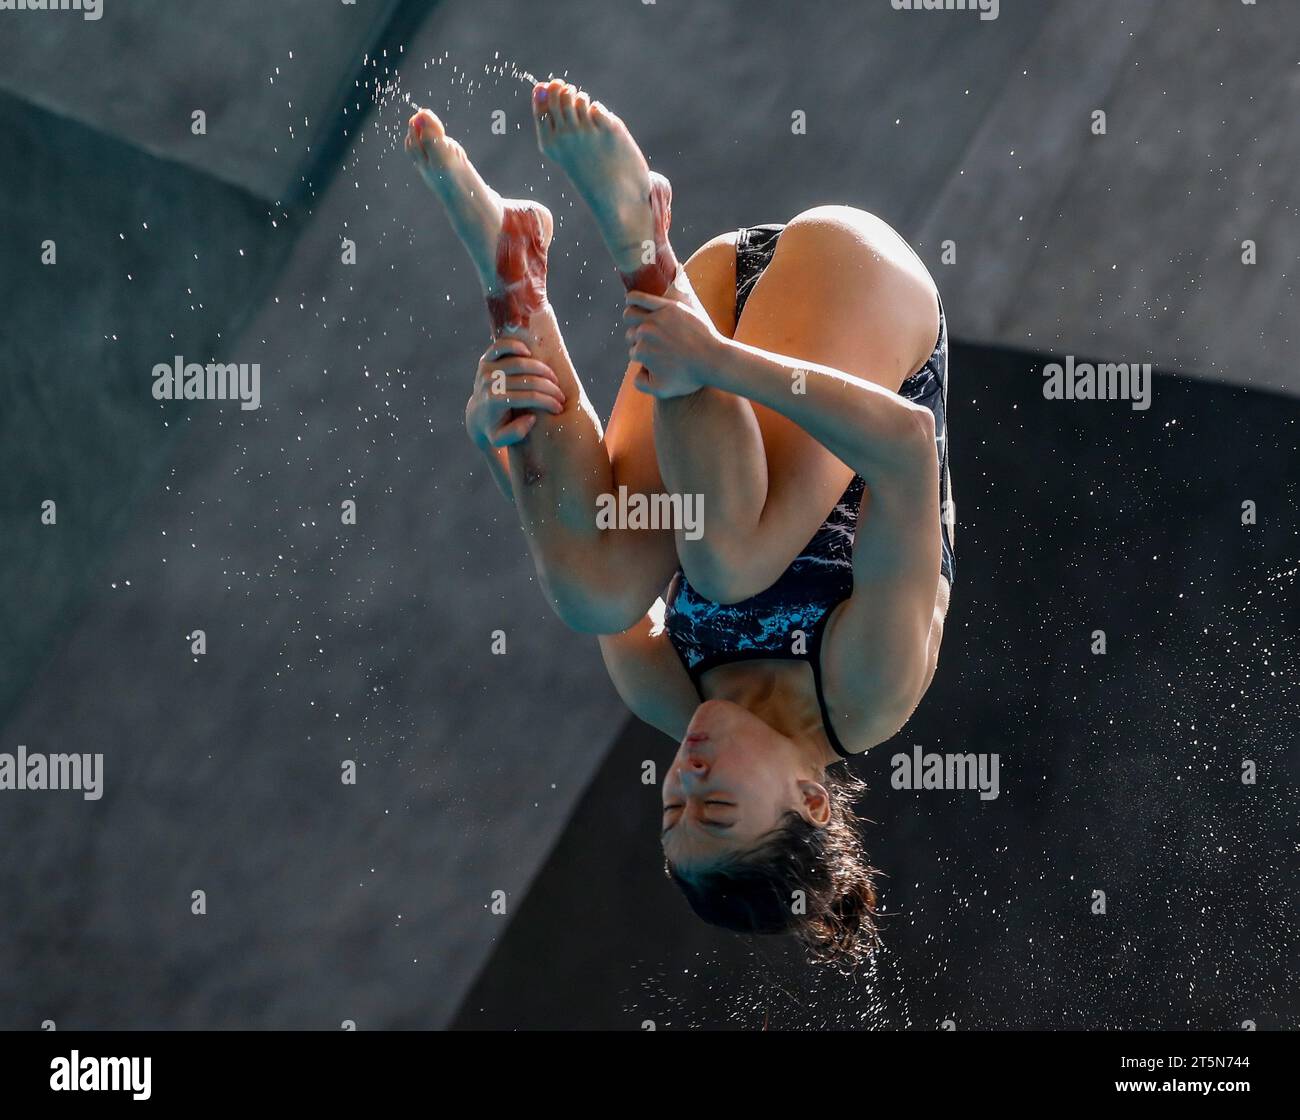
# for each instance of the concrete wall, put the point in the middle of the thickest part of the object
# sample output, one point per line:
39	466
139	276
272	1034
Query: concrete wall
372	642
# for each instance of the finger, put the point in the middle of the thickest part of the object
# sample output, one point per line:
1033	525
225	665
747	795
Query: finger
637	314
530	383
527	399
540	385
646	300
504	348
640	335
515	366
514	431
643	327
496	388
644	381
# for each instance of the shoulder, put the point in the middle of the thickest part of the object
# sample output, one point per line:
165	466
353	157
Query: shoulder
648	674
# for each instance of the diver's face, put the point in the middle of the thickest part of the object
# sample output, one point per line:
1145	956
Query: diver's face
732	781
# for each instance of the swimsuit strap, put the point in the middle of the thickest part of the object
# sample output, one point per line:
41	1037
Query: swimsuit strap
815	663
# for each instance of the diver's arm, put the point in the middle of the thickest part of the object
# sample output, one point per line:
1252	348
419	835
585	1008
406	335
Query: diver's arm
884	438
870	428
768	469
881	646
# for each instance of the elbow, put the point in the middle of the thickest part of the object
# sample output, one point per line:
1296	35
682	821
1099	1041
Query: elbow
915	429
903	445
889	715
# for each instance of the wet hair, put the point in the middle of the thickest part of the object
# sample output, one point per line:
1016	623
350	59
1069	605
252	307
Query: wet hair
755	891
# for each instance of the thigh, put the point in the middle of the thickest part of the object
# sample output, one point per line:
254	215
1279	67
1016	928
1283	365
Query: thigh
629	437
630	440
842	290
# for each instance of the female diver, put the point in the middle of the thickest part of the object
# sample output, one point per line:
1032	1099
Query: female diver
793	376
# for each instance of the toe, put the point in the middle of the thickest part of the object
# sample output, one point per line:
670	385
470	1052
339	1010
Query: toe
567	119
611	119
424	128
598	114
430	126
553	118
553	91
581	107
413	144
543	113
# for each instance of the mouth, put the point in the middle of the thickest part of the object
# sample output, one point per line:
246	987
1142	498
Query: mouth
697	737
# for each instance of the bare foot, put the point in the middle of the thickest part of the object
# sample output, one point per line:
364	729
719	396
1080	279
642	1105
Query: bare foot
506	238
632	204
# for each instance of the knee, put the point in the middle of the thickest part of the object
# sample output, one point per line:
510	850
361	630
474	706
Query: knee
595	610
723	575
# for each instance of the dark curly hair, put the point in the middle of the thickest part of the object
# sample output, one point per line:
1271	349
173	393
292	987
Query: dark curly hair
755	892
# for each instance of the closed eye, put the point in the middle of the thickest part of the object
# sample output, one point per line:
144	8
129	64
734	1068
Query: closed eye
726	804
717	825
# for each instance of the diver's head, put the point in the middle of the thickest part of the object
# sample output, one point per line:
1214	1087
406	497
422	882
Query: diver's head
761	836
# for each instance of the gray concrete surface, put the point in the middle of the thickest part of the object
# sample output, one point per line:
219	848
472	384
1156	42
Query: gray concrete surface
269	76
150	260
373	642
1129	246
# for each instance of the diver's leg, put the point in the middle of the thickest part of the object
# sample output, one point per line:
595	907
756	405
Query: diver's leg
842	290
631	204
601	581
708	445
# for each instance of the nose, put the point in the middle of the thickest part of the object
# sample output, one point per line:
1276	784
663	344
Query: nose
693	770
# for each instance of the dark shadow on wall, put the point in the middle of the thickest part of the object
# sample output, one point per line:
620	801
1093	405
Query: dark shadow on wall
1120	773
